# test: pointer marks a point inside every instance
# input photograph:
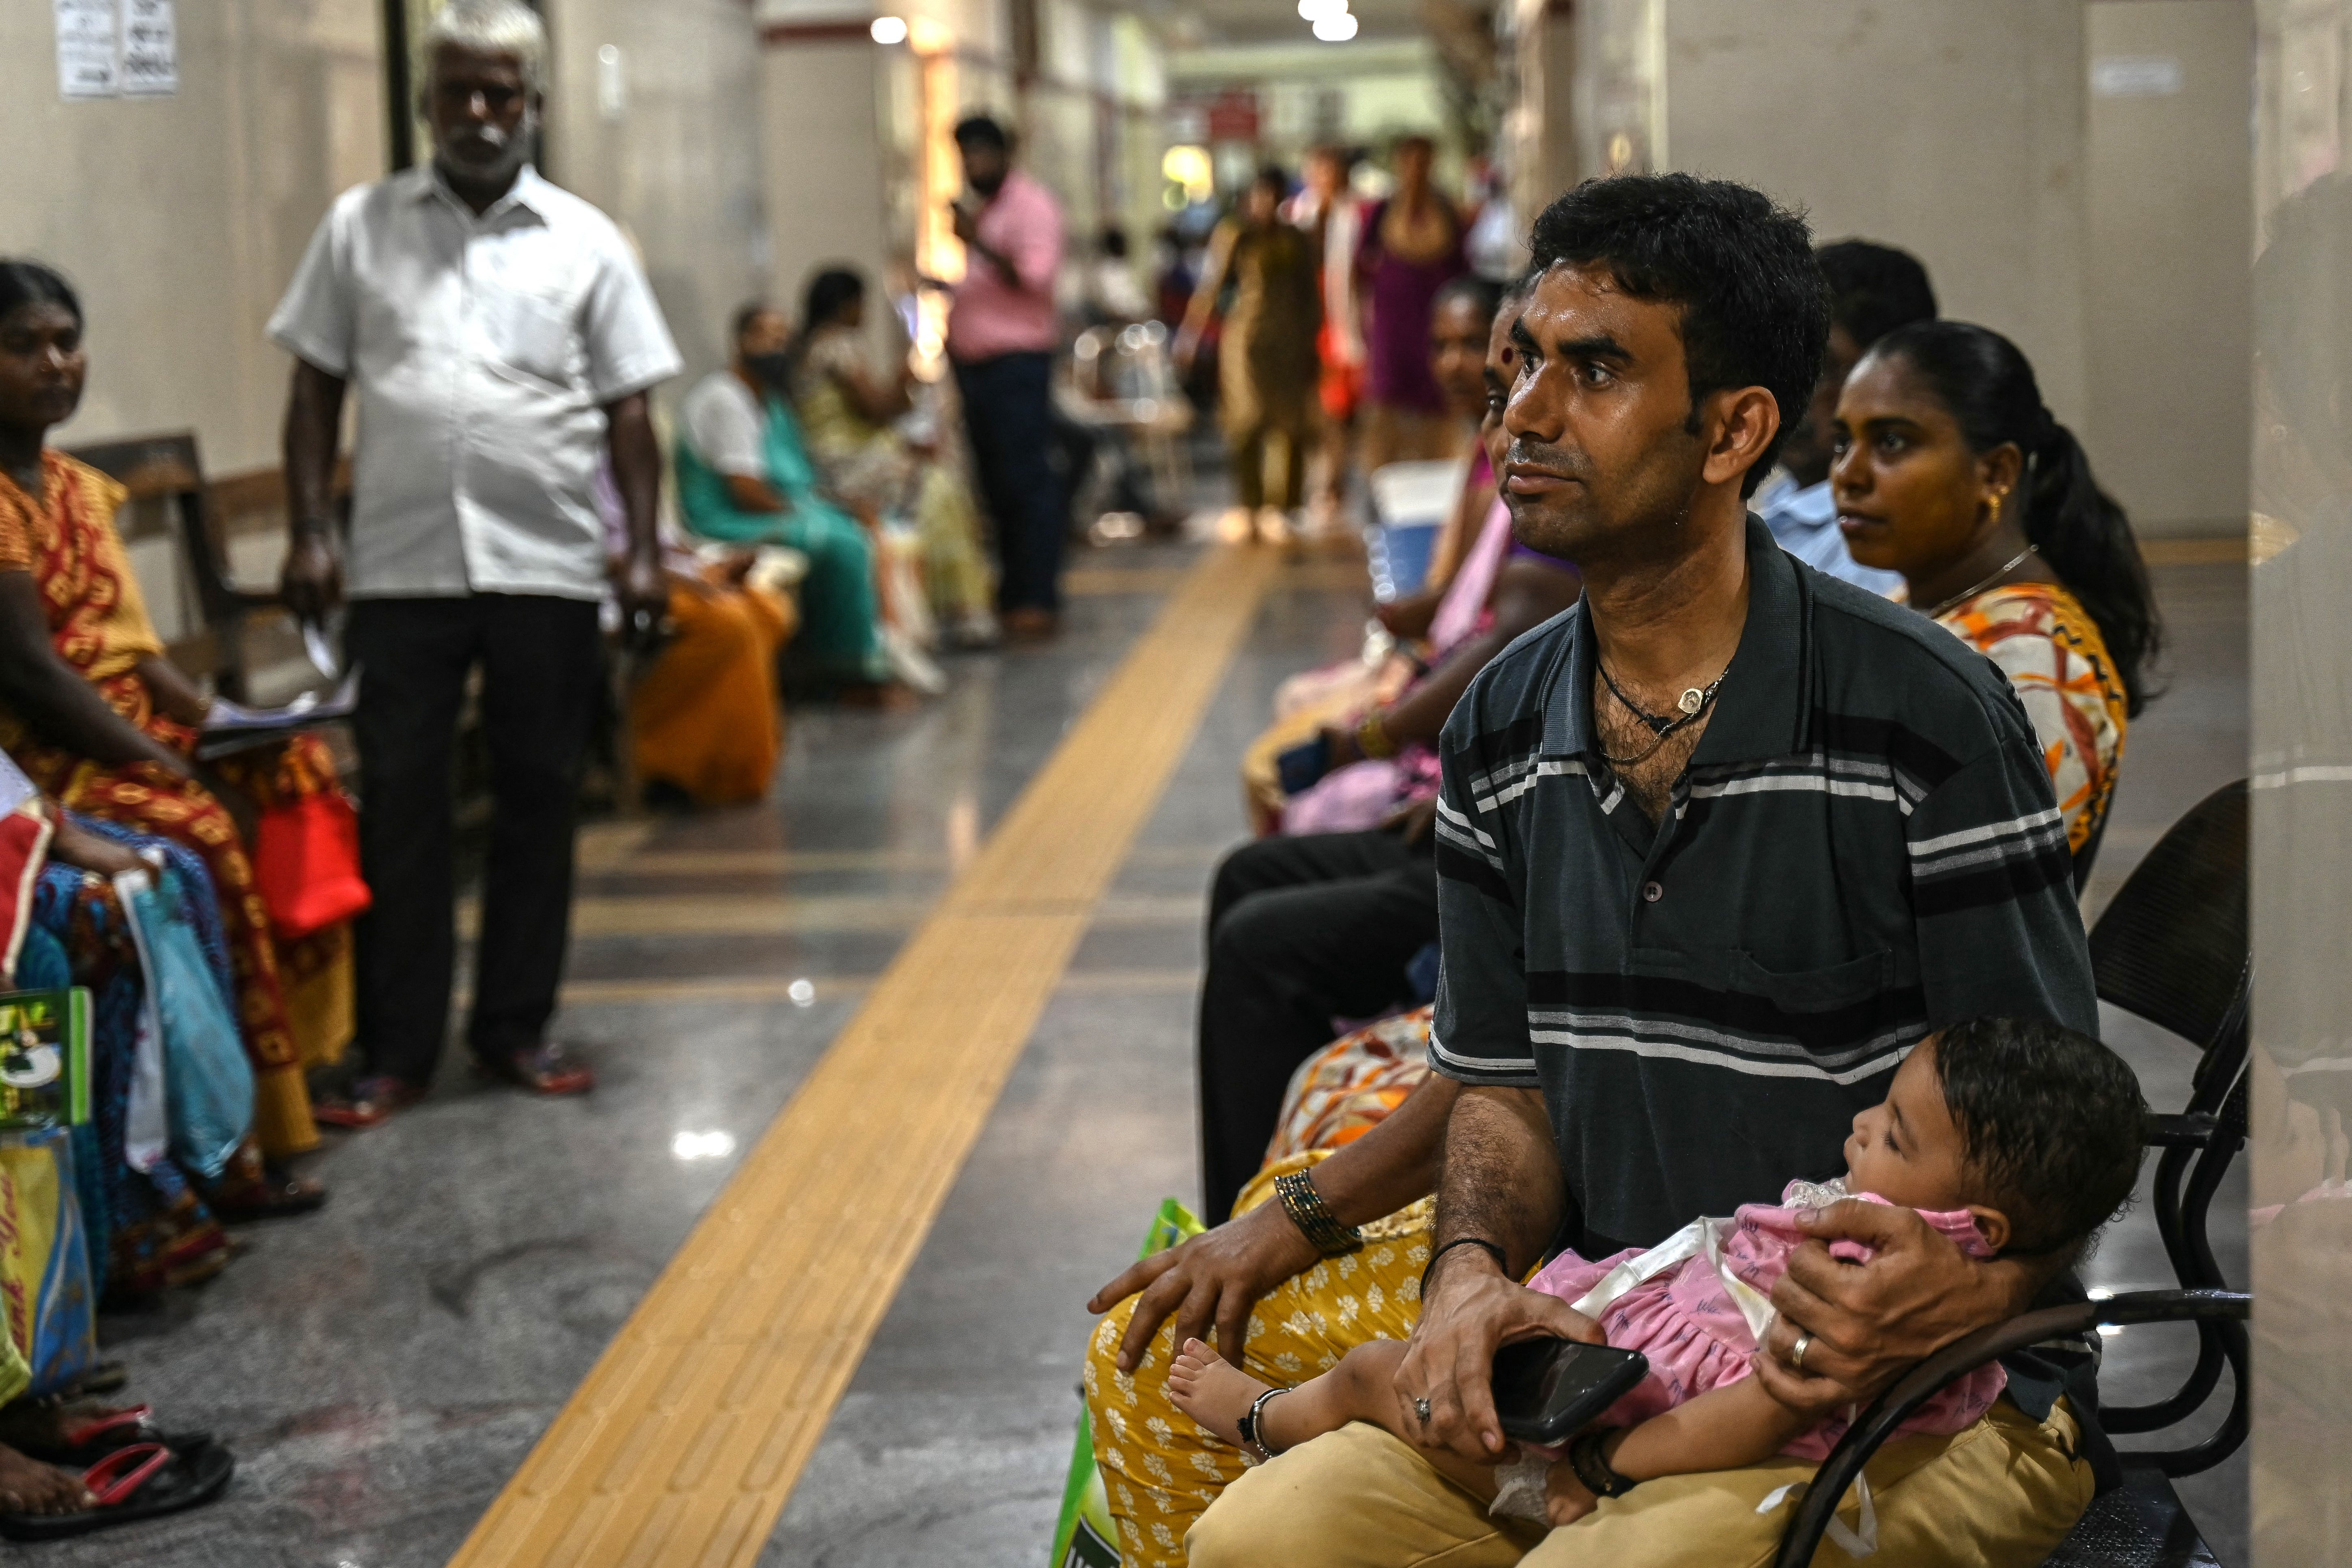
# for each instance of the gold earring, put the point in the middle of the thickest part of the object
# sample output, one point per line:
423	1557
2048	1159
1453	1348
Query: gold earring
1997	497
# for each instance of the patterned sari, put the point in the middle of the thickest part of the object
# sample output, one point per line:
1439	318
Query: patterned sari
293	1001
2050	650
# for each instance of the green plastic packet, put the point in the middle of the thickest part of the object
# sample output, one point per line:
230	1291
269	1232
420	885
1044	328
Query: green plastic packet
1084	1537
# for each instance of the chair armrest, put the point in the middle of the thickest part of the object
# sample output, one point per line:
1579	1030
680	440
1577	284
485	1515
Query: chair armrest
2191	1131
1916	1387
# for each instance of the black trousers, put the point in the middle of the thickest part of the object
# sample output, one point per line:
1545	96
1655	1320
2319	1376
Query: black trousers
542	673
1008	410
1301	931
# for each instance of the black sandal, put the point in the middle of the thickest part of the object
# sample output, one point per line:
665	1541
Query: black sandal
83	1443
145	1480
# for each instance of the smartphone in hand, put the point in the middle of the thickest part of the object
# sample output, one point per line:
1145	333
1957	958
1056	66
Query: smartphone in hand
1546	1390
1300	768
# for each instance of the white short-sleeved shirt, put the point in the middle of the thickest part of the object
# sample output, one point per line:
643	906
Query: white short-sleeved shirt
482	350
725	425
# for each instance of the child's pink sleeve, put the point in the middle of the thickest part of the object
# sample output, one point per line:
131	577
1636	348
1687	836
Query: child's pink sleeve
1955	1409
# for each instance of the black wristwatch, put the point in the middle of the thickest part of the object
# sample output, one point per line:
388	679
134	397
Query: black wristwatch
1584	1457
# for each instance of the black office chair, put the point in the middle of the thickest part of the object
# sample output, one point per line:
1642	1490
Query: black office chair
2172	947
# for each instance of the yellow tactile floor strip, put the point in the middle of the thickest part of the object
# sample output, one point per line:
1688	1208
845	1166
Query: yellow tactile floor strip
682	1444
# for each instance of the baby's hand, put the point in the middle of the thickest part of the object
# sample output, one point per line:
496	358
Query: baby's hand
1565	1499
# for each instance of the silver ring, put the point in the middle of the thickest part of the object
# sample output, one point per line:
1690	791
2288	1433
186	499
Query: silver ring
1421	1408
1797	1352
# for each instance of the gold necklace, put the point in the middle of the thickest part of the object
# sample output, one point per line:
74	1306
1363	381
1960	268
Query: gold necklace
1964	595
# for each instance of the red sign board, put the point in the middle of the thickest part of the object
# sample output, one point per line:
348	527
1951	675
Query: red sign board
1232	115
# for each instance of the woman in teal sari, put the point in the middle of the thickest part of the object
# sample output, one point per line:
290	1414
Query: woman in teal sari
744	477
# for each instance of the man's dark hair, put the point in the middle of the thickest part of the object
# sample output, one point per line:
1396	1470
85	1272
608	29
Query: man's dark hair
744	316
982	131
1484	295
1113	242
2051	1122
24	283
1753	309
1874	289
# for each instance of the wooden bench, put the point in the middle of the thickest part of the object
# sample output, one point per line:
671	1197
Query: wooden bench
170	495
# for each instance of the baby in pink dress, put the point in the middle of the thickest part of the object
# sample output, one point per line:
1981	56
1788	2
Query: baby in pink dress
2010	1137
1697	1305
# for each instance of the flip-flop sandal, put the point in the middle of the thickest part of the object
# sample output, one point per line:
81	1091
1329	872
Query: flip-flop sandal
270	1196
82	1444
146	1481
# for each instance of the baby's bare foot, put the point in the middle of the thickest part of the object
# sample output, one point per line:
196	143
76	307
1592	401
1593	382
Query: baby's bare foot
1212	1391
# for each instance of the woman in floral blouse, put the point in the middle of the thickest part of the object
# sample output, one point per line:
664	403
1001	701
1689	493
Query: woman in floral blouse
1950	471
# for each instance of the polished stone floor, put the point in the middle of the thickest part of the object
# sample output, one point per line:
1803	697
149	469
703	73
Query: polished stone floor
381	1368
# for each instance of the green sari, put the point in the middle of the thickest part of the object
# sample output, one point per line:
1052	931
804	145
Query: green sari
841	621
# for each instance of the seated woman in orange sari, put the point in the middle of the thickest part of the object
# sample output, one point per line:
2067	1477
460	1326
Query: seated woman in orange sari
93	712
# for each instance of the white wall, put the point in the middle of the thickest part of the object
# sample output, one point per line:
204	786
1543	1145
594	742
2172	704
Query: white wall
180	219
2170	216
676	159
821	155
1952	130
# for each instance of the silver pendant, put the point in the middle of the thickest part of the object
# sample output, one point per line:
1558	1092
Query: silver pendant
1692	701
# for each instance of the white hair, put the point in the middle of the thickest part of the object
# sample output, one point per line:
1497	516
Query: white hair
490	27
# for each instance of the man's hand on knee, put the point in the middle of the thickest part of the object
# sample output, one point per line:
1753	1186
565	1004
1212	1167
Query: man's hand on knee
1217	1276
1469	1310
1861	1325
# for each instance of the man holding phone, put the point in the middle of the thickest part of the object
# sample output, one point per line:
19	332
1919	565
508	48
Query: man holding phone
1001	334
1714	850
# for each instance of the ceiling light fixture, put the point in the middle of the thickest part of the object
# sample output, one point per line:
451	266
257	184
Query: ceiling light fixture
888	29
1335	29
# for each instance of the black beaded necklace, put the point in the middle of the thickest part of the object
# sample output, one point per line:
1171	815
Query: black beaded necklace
1693	703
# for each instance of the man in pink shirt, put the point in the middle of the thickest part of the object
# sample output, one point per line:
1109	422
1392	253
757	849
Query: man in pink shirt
1001	335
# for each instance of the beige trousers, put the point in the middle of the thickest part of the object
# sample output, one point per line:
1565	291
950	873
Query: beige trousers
2001	1494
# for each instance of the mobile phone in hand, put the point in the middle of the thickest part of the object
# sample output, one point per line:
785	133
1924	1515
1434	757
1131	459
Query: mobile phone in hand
1300	768
1546	1390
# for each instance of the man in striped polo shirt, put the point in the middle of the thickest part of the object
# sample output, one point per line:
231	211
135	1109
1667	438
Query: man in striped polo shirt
1716	848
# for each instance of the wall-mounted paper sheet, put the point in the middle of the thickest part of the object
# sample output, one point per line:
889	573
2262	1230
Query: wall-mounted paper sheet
150	49
88	50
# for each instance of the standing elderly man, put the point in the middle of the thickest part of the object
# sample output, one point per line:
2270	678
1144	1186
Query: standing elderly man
1715	849
502	338
1001	334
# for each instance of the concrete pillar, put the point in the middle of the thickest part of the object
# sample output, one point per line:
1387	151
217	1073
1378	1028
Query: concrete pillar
1954	131
2170	216
822	154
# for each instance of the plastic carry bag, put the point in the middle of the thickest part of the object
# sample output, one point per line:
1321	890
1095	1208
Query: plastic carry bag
1084	1537
306	865
51	1336
207	1083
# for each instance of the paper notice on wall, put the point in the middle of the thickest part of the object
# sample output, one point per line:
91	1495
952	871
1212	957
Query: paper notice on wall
150	49
88	48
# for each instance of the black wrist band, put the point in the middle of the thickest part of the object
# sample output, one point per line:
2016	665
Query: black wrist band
1306	1209
1585	1458
1502	1259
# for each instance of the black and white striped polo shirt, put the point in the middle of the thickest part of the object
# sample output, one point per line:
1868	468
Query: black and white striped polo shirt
1864	849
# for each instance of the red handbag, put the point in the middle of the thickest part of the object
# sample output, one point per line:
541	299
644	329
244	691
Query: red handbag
306	864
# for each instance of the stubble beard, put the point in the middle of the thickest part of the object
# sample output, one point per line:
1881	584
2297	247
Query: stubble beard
1638	519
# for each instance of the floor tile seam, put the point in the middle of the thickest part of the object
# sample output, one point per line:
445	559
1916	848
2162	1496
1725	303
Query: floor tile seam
787	1415
882	1246
727	990
1188	629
